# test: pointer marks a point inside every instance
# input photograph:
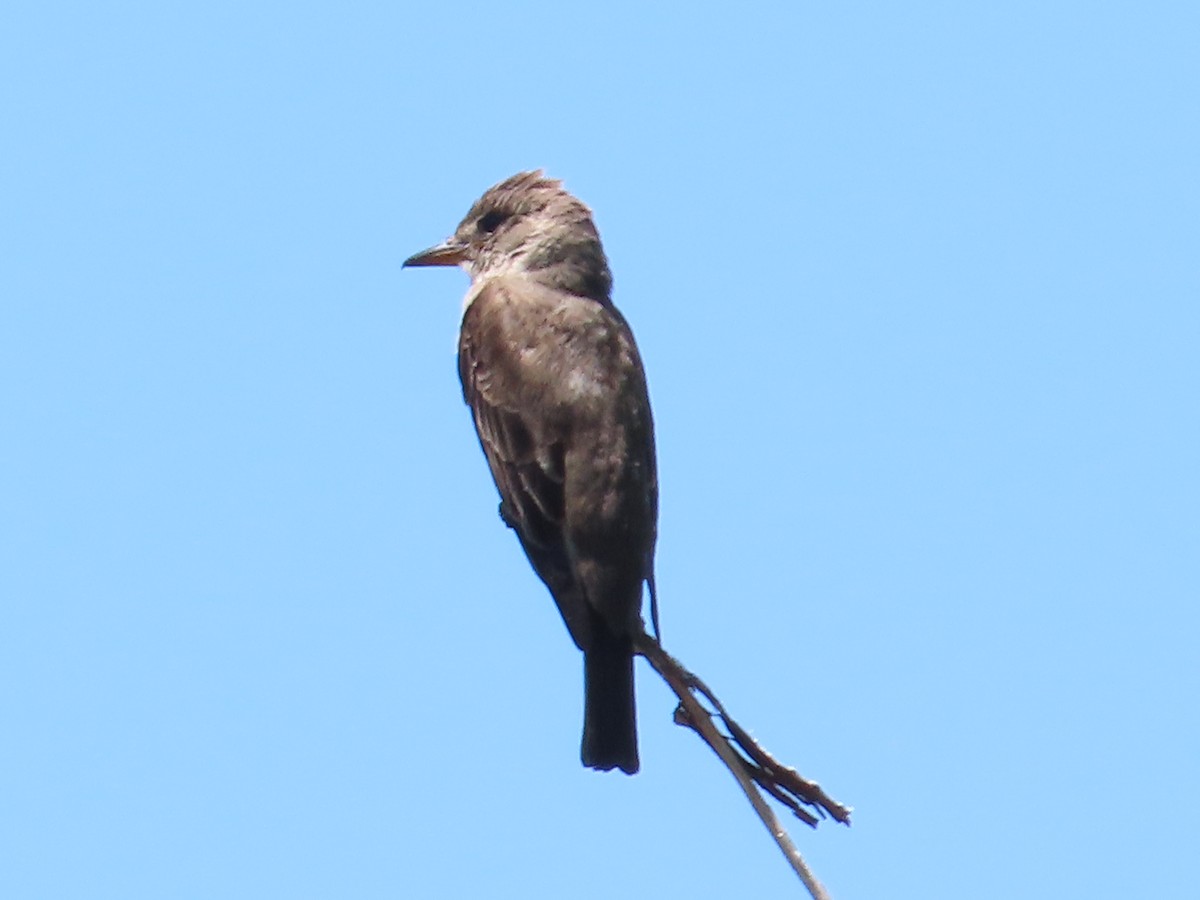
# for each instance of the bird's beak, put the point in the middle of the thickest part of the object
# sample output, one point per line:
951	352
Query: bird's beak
448	253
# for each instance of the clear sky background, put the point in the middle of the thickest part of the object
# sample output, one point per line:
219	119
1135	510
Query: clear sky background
917	290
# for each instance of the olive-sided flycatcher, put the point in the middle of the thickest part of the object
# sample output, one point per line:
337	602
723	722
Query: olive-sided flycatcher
553	378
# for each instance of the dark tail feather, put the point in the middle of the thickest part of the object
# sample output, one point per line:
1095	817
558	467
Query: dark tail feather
609	715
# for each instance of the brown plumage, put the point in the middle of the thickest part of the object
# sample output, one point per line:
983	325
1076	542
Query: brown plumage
552	375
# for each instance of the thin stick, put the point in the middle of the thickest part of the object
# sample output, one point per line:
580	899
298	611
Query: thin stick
761	768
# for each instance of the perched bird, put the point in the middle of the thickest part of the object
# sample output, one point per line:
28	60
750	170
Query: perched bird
555	384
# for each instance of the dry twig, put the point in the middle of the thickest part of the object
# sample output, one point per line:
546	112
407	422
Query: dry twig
749	763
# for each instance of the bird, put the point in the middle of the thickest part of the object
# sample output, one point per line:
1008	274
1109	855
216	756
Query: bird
558	395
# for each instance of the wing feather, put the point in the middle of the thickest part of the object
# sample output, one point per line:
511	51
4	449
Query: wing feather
529	473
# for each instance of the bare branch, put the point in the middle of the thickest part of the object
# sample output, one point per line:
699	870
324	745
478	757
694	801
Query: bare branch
746	759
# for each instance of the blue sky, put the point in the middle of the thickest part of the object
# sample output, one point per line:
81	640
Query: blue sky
916	288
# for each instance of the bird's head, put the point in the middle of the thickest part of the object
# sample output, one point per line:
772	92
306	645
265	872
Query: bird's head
527	225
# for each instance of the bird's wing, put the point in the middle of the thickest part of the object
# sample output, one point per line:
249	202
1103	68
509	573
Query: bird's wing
526	464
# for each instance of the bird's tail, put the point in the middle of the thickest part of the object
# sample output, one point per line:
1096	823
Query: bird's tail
609	713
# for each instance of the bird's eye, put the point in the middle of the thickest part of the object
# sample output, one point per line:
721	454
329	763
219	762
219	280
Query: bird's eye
490	221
